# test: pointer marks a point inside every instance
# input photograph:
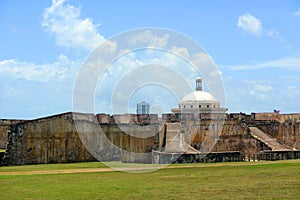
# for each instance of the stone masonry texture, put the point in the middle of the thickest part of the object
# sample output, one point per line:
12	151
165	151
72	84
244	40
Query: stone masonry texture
79	137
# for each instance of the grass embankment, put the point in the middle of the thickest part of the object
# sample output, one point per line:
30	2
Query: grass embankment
259	180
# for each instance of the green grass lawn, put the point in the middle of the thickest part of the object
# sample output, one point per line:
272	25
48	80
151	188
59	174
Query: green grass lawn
254	180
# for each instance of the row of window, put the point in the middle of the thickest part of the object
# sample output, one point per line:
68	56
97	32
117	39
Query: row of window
207	106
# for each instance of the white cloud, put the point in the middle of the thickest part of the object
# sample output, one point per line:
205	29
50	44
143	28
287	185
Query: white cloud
250	24
68	28
61	69
149	39
274	34
259	89
182	51
262	87
253	25
297	13
289	62
202	59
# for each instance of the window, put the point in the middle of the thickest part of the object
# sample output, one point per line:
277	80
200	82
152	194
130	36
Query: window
191	106
183	106
199	106
207	106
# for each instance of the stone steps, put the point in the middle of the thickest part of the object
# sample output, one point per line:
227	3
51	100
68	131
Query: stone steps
267	140
173	140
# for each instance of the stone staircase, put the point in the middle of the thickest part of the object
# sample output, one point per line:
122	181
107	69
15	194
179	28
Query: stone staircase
175	142
268	140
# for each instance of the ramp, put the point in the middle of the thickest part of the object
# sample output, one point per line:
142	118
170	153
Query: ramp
175	142
268	140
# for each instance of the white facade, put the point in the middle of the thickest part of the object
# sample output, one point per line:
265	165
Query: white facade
199	102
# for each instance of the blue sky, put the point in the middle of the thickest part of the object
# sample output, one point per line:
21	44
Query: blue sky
255	44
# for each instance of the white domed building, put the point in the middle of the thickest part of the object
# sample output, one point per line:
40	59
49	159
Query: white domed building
199	102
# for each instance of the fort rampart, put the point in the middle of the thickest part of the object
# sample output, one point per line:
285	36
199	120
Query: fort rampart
78	137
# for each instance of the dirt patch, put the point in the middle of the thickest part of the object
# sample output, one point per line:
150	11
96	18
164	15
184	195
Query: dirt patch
138	169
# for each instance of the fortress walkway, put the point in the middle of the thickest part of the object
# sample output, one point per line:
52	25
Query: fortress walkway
268	140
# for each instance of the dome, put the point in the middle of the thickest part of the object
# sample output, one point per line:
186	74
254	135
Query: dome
199	96
199	102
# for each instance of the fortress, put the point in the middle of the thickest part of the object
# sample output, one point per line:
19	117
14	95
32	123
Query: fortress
199	130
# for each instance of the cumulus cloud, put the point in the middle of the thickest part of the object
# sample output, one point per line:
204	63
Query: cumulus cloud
149	39
182	51
250	24
253	25
64	23
61	69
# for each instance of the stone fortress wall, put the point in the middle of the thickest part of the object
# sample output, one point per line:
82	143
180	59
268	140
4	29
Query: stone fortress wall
235	134
55	139
131	138
283	118
4	128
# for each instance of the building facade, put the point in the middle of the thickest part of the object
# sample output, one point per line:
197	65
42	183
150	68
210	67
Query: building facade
199	102
143	108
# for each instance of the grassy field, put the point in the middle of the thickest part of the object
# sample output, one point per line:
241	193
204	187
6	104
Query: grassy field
254	180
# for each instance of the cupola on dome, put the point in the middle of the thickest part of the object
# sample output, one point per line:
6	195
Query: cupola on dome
199	101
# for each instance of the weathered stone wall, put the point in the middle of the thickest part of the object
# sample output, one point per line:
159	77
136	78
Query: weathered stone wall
58	139
76	137
286	133
214	136
218	134
3	135
134	141
48	140
226	137
4	128
283	118
233	135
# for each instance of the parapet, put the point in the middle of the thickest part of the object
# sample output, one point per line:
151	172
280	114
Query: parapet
140	119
